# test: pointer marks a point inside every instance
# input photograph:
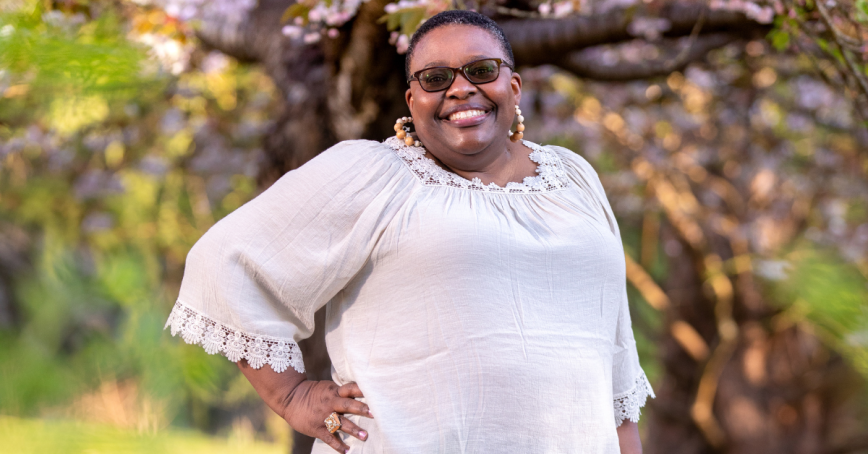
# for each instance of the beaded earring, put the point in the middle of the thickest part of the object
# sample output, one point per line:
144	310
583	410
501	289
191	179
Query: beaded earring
403	133
519	128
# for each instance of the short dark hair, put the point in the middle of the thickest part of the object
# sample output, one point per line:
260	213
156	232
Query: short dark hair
458	17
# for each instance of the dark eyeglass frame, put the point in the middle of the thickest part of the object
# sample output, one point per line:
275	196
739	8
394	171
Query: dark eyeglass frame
463	70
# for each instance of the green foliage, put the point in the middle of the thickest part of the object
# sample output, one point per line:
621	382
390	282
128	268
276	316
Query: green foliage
832	296
862	11
65	56
296	10
99	164
31	376
407	20
779	39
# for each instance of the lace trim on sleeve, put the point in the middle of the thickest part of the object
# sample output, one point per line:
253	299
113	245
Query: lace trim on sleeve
234	344
628	405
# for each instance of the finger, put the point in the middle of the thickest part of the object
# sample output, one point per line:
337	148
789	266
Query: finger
347	426
333	441
353	406
350	390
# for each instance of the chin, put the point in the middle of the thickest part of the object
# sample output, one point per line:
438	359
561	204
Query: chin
469	142
468	146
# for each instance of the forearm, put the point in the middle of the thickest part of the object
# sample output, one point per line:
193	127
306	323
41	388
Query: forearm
274	388
628	438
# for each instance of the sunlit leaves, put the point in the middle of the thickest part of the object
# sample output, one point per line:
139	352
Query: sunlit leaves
780	39
110	178
69	114
406	20
862	11
69	55
829	294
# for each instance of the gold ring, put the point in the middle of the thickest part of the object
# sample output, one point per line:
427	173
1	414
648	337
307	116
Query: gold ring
333	422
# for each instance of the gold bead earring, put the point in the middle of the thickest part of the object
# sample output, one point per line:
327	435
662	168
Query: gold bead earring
519	128
403	132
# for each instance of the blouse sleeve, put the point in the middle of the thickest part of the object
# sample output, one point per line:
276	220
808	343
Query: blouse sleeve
630	386
253	282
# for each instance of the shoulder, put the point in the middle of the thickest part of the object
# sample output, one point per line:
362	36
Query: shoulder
581	172
573	160
358	148
340	181
359	161
350	153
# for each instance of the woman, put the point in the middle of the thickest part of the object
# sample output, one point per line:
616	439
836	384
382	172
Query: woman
475	285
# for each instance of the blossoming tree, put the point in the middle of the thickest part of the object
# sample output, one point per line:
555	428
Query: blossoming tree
339	67
730	135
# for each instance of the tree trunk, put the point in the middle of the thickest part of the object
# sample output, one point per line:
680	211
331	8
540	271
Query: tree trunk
779	391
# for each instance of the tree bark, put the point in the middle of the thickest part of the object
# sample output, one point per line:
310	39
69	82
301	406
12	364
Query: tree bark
542	41
587	65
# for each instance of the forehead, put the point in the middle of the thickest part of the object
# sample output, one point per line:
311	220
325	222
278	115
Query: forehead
454	45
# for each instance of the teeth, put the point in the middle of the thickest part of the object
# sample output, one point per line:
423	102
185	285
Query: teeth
466	114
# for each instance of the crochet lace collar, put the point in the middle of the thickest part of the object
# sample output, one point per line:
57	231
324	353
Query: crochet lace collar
550	171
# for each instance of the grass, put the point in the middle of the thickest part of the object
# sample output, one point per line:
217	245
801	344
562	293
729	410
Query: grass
40	436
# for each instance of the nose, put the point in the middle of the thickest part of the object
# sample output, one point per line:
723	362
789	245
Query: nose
461	87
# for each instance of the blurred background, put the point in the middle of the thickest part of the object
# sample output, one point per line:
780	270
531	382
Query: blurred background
731	137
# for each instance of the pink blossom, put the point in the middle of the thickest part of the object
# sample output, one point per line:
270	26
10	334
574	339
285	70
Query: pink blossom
562	9
402	44
761	14
292	31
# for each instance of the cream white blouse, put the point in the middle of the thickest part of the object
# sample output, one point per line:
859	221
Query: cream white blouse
475	319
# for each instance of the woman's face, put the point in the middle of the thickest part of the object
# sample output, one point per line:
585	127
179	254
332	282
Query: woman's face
469	141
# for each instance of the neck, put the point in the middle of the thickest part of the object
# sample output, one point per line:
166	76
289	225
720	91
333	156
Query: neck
500	163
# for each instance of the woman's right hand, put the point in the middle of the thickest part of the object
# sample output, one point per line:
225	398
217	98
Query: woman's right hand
305	404
311	402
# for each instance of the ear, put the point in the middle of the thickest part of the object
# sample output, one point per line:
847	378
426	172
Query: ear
408	96
515	83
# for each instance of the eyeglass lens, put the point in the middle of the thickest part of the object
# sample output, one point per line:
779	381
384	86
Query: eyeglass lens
480	72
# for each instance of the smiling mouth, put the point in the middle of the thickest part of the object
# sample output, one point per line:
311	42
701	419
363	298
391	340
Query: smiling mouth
465	114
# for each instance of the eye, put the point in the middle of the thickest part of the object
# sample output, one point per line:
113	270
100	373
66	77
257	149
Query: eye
480	70
435	76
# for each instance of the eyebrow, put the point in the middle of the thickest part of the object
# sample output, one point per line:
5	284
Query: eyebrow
438	63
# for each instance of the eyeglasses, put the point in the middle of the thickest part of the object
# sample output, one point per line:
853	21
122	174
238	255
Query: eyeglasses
477	72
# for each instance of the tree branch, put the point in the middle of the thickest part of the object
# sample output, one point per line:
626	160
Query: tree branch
537	41
251	38
840	39
586	64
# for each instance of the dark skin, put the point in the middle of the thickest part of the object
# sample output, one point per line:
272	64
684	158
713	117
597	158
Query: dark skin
471	147
482	149
305	404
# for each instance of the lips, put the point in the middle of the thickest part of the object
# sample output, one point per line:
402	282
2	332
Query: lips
464	114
